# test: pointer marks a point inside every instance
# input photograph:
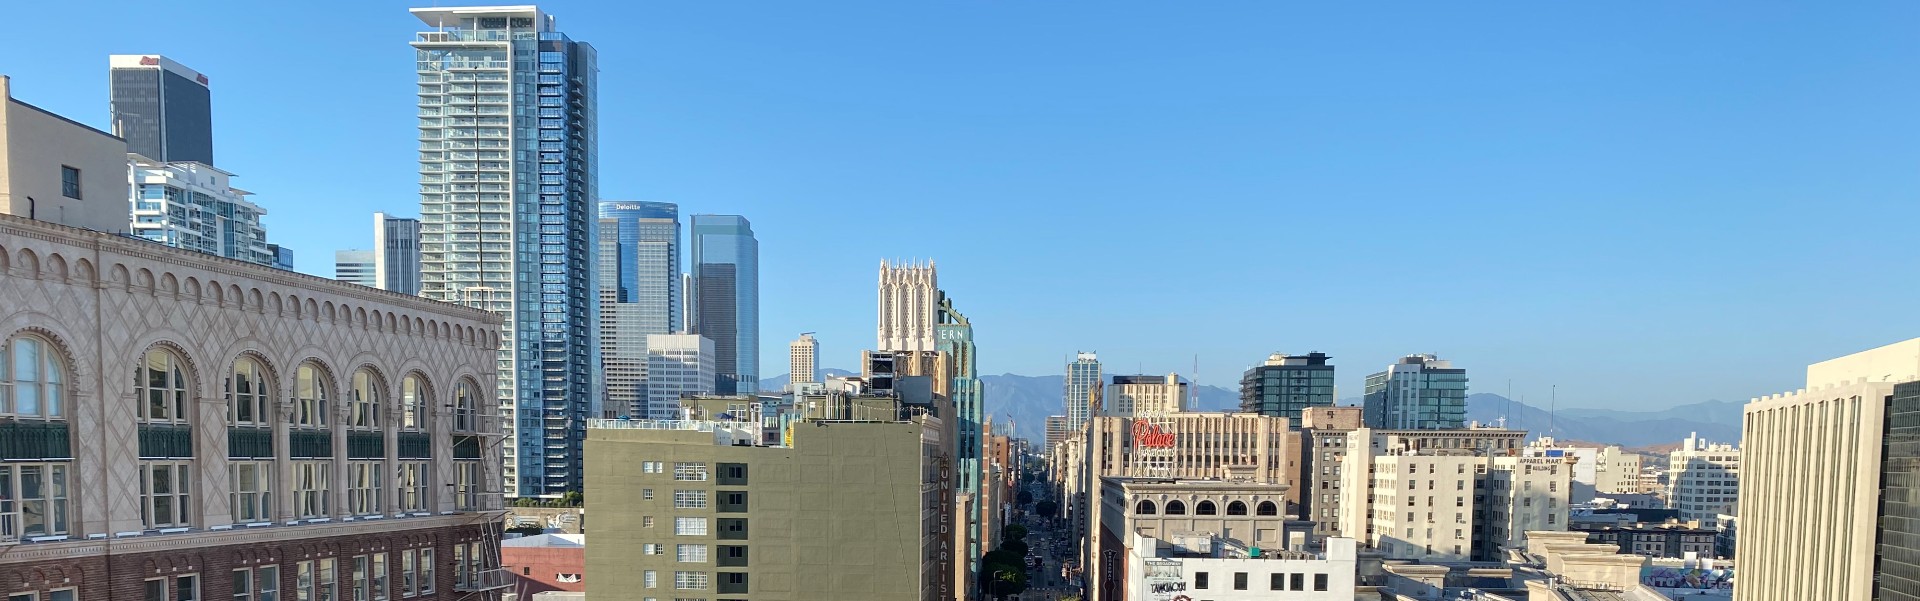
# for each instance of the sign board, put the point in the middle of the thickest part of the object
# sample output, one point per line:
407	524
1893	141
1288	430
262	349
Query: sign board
1164	582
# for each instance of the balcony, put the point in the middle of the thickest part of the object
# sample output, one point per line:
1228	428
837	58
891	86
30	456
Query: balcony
9	528
484	580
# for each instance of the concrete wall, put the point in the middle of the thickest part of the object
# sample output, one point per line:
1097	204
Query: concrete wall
34	144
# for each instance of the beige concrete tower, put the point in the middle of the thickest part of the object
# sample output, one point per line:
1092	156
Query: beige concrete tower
909	297
801	356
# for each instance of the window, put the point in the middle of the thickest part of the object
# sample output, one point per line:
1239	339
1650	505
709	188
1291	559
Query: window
1176	508
684	526
646	521
154	589
366	401
65	594
266	583
690	553
407	573
38	492
413	404
1200	580
1297	582
243	584
413	487
363	487
1237	508
646	493
186	588
690	471
1277	582
1239	581
1319	582
309	397
358	578
652	467
161	385
466	484
252	495
379	577
690	581
689	499
426	571
466	414
164	498
311	481
31	378
653	549
1144	507
1205	508
247	394
70	182
650	579
1267	508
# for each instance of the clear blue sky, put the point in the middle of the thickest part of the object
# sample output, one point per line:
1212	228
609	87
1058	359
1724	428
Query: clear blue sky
1647	205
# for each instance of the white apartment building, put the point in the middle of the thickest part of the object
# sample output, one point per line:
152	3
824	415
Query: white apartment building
1223	570
1130	396
677	365
193	206
1617	472
1448	495
1703	480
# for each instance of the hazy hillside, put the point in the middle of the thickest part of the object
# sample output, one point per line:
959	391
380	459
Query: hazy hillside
1716	420
1028	400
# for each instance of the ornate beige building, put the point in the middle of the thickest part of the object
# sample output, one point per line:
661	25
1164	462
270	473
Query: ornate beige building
182	422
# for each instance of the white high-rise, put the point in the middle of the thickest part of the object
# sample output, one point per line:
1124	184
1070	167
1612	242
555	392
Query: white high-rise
801	356
1703	480
678	365
909	301
1132	396
194	206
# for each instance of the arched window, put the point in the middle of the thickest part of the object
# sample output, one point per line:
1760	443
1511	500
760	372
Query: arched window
1205	508
366	400
31	378
413	403
161	383
1176	508
247	394
465	409
1145	507
310	396
1236	508
1267	508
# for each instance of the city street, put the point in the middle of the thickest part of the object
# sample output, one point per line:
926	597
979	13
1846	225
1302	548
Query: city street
1051	544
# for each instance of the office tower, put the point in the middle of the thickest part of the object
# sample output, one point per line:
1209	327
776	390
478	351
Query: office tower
1287	385
1703	479
1478	499
687	318
496	162
699	509
1131	396
953	334
1083	378
193	206
1826	477
396	253
1322	448
1419	392
726	298
354	266
1057	431
801	354
678	365
639	295
282	256
162	108
319	443
909	300
1617	472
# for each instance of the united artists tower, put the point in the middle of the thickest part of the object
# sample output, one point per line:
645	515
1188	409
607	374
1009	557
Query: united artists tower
507	191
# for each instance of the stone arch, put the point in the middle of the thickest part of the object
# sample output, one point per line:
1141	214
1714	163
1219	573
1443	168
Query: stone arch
120	277
218	293
433	328
56	268
391	326
327	313
143	280
259	302
1144	507
313	309
169	285
190	290
360	316
1236	508
56	343
29	263
82	269
1267	508
1175	507
1206	507
165	340
5	260
419	327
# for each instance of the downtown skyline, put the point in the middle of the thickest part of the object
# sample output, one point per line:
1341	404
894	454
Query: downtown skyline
1480	254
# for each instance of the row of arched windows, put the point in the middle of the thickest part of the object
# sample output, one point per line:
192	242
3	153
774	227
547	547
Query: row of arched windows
1177	507
33	378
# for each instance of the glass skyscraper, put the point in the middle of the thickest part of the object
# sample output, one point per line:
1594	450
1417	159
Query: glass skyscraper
1083	377
726	299
162	108
396	253
508	153
1421	392
1287	385
639	256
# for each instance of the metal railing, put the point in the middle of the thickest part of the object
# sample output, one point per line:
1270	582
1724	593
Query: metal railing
484	580
9	528
695	425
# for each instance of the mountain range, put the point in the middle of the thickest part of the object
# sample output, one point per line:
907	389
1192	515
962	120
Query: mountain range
1026	401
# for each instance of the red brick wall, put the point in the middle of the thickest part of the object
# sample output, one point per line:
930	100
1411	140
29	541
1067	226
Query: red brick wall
123	576
538	568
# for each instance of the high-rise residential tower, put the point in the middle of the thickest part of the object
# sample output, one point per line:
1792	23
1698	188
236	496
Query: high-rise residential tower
1419	392
909	299
1287	385
726	298
162	108
194	206
354	266
1083	377
639	268
1703	480
508	145
801	356
396	253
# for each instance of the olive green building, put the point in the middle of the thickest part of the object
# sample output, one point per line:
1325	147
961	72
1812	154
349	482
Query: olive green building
842	510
